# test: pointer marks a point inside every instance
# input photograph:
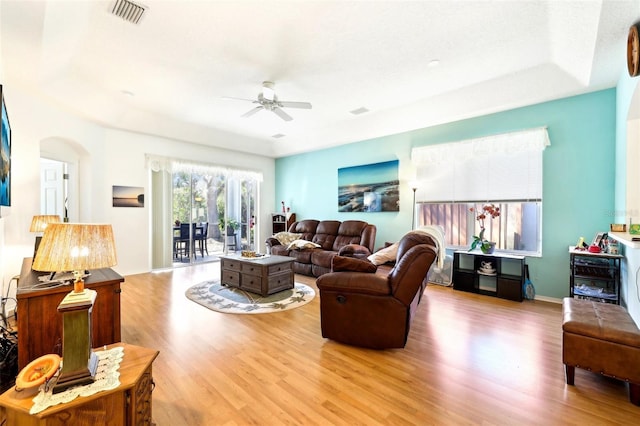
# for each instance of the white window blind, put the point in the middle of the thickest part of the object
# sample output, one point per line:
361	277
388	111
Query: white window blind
502	167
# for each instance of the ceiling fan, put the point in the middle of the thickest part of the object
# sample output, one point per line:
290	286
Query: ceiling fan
269	101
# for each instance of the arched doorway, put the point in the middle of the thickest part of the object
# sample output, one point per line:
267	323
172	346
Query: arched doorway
62	163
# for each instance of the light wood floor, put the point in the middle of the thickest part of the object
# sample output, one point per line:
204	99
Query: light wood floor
470	359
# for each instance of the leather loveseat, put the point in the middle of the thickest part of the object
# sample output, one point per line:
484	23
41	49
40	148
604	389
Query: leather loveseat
351	237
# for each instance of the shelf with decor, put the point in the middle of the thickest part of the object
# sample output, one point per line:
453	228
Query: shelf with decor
281	222
594	276
499	275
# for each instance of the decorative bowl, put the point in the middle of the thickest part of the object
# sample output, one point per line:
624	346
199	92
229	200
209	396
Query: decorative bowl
37	372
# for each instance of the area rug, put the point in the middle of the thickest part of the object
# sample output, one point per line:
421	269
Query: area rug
213	295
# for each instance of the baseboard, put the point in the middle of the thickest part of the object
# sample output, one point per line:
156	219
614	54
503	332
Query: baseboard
10	317
548	299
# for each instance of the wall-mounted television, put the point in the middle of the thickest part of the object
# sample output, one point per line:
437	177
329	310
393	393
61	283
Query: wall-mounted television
5	155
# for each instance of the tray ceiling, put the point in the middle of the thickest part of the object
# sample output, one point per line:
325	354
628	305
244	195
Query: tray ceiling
168	74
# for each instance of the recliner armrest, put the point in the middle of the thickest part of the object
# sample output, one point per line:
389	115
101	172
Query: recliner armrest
355	283
354	250
351	264
272	242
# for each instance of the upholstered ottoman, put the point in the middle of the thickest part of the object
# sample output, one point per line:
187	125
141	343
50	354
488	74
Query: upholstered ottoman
603	338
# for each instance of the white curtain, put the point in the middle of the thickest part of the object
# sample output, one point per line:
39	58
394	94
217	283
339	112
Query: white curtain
161	212
156	163
493	168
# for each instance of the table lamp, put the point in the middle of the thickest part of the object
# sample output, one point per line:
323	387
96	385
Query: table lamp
77	248
39	224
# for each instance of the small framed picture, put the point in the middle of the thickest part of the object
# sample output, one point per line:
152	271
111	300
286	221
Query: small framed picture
598	240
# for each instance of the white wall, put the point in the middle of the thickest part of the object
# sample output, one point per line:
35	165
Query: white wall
109	157
629	288
633	171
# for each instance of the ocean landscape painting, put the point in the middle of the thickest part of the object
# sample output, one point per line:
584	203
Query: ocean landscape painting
369	188
128	196
5	155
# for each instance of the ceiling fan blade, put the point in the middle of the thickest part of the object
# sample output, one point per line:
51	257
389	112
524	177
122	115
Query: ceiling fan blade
280	113
288	104
251	112
231	98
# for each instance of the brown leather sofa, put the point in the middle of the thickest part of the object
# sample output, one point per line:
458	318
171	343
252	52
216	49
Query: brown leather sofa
375	310
351	236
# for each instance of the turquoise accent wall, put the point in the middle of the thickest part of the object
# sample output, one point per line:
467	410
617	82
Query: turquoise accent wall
578	176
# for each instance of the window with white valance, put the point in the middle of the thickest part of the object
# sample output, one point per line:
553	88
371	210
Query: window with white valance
454	180
507	166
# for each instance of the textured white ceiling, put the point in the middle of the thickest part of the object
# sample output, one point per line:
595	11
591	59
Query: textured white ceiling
185	56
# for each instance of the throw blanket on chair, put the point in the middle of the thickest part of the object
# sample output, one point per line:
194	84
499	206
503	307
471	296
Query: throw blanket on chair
437	233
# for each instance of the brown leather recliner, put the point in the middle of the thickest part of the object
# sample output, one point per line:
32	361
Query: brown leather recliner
372	310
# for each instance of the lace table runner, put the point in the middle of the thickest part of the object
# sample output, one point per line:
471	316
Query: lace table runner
107	377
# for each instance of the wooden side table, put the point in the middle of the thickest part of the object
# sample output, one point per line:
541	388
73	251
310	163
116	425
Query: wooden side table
40	324
128	404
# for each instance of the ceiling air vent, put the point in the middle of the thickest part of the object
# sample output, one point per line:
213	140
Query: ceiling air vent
128	10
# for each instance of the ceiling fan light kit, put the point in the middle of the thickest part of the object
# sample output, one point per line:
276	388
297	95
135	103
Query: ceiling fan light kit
267	90
268	100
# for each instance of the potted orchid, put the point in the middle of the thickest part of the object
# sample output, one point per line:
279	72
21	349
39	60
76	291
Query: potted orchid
489	211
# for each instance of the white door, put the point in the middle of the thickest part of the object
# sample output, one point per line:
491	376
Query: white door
52	192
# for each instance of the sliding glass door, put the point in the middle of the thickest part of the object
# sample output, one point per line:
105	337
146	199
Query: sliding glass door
212	211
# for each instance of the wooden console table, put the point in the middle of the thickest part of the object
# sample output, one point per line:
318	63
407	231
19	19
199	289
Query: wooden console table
128	404
40	324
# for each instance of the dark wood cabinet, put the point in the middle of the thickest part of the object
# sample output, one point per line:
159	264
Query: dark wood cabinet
40	323
499	275
281	222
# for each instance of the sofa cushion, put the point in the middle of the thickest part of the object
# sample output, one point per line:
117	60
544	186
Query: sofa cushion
342	263
326	234
323	258
349	232
302	256
305	227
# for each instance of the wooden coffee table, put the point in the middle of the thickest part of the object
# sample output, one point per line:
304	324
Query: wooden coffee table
263	275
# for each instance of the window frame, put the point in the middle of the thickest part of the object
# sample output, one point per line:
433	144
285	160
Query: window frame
472	227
